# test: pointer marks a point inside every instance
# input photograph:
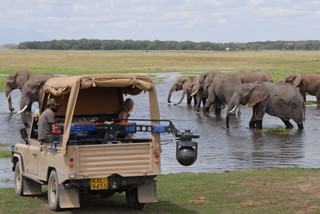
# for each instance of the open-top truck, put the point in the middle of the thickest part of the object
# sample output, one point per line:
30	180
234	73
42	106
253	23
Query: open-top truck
87	153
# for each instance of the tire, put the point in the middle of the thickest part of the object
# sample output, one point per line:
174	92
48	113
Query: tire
18	178
53	191
132	199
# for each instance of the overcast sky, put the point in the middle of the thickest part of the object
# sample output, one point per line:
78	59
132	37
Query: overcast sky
178	20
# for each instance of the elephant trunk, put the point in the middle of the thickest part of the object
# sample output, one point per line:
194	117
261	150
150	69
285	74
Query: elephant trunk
170	93
232	106
8	98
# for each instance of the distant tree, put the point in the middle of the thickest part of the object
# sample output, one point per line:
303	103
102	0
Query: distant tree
95	44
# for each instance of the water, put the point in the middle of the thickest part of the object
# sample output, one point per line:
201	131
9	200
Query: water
220	149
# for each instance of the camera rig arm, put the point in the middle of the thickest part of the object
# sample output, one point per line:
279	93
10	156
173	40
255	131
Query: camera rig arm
109	131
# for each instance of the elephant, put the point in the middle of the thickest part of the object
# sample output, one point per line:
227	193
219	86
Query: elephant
277	99
184	84
308	82
252	76
190	89
30	85
220	91
204	82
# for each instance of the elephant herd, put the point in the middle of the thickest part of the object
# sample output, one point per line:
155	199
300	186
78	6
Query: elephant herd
255	88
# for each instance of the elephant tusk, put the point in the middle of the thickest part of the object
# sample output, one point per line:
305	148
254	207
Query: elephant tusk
224	109
194	92
7	97
24	108
234	108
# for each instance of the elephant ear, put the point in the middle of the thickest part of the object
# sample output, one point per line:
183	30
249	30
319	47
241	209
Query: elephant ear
258	94
297	80
186	84
21	78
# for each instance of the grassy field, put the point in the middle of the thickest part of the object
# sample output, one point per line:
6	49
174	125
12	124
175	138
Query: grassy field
278	63
251	191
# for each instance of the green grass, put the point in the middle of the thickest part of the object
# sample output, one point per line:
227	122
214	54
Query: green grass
286	190
2	83
278	63
277	130
5	154
310	103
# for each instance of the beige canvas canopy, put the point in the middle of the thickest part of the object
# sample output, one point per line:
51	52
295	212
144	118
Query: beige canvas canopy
66	89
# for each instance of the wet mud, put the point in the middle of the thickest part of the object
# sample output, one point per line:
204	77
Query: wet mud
219	149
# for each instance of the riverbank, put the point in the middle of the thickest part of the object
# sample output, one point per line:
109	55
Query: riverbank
281	190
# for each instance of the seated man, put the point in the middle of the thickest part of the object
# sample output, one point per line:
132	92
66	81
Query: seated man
47	119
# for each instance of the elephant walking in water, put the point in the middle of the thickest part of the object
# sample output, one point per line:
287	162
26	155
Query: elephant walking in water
185	84
277	99
30	85
308	82
201	90
220	91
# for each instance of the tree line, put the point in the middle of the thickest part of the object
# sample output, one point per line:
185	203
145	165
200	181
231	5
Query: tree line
95	44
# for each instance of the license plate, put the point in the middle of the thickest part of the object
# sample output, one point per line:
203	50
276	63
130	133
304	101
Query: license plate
99	183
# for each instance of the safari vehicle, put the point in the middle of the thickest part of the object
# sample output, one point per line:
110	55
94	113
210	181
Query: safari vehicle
87	155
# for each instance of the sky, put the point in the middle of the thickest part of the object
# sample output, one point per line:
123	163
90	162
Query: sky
219	21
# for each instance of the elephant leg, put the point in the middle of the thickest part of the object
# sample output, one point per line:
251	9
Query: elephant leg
259	124
198	96
303	92
189	99
210	102
217	110
257	116
252	124
23	103
318	96
206	110
204	101
287	123
194	100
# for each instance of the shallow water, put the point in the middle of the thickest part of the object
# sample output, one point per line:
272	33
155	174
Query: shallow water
220	149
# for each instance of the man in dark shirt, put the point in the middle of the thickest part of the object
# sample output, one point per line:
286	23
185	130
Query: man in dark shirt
47	119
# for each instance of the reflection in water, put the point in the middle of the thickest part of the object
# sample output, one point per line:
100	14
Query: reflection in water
220	149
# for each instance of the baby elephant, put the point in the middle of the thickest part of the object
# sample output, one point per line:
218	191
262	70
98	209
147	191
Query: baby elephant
277	99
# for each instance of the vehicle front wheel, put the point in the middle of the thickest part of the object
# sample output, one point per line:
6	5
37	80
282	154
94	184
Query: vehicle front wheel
18	177
53	191
132	199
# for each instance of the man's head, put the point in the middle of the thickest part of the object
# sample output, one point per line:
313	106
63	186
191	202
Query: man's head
53	104
128	104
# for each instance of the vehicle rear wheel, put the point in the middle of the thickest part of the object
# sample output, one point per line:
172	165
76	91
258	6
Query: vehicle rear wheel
18	177
53	191
132	199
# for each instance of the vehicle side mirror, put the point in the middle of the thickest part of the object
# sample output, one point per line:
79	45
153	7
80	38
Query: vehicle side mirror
24	134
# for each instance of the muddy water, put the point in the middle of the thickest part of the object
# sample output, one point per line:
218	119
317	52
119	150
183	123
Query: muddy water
220	149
